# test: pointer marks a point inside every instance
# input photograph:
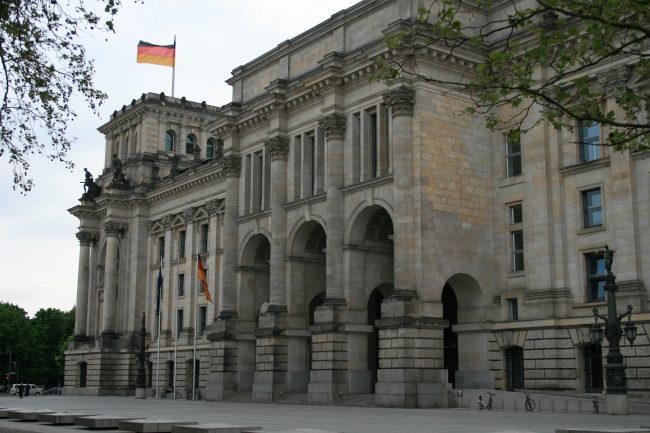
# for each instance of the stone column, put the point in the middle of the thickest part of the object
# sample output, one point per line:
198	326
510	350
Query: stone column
83	285
271	378
411	355
224	353
112	230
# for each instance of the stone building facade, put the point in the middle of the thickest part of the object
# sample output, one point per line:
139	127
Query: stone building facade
358	238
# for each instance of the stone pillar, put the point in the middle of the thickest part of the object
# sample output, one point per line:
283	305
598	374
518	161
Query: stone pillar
83	285
411	357
112	231
328	377
271	377
223	378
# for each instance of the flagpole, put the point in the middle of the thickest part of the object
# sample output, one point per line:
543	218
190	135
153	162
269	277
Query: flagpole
159	320
196	312
176	320
174	75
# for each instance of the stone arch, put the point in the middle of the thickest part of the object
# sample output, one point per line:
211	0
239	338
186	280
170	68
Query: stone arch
254	276
360	217
298	228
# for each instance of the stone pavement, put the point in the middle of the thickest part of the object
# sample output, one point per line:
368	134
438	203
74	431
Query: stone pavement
279	417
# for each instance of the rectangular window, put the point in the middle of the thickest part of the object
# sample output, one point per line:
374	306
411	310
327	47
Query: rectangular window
513	157
518	250
202	319
596	277
589	141
593	208
161	248
312	154
516	214
514	312
374	146
182	236
181	285
205	230
179	322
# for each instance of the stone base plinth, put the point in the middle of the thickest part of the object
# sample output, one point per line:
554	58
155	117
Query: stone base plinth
269	385
617	404
424	388
221	386
327	386
141	393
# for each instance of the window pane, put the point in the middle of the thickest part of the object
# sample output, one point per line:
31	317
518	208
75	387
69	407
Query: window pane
593	198
169	141
181	285
513	147
519	261
516	214
209	150
597	289
189	145
518	241
514	166
593	208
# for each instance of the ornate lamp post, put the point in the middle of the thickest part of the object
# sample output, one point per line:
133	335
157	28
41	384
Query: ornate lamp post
140	358
616	380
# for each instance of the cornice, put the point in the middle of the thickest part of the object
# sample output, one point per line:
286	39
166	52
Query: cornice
639	156
585	166
266	213
372	183
309	200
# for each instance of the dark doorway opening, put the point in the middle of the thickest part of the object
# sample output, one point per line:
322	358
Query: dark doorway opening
514	368
83	373
374	313
450	338
317	301
594	368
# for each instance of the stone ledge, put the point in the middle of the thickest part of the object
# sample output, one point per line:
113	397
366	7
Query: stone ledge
151	425
213	428
102	421
61	418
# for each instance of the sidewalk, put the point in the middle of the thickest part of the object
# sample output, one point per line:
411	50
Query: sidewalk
277	417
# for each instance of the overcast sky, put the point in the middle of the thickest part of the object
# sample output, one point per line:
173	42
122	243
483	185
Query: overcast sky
39	253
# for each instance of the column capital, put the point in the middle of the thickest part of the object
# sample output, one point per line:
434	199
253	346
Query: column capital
230	166
213	206
86	238
113	229
333	126
400	100
278	147
166	222
188	215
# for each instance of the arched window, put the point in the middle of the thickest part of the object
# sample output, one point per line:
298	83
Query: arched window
189	144
169	141
209	149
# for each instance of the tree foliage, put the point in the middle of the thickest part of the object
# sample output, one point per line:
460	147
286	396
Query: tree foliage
34	343
43	66
554	61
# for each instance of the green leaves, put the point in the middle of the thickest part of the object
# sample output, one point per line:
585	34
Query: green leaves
541	54
41	66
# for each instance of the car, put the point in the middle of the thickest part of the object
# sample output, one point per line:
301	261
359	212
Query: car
53	391
33	389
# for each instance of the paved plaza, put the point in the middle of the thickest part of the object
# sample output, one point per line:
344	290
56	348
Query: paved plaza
278	417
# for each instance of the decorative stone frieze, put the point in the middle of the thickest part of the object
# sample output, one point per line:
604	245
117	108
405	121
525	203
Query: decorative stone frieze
86	238
278	147
114	229
333	126
615	78
188	214
230	165
167	222
401	101
212	206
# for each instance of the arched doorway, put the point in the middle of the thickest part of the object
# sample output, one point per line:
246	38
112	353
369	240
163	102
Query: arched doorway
450	338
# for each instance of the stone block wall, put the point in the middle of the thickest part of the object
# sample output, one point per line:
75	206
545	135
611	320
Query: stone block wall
108	372
272	354
329	351
549	360
224	356
411	348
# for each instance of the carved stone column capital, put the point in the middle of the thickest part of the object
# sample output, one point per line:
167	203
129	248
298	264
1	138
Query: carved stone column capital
188	215
230	165
166	222
333	126
278	147
401	101
86	238
113	229
212	206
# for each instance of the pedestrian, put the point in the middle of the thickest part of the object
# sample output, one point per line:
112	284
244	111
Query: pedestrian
20	390
27	386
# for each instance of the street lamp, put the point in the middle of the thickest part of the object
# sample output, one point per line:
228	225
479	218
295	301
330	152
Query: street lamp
140	358
617	403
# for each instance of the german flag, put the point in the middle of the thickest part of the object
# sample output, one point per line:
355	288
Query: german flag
164	55
203	279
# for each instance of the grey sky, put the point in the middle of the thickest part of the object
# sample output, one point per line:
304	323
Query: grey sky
39	254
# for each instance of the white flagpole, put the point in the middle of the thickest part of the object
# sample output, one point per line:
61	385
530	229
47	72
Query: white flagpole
176	332
174	73
196	311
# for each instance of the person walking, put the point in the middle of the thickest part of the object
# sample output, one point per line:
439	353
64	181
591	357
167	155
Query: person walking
27	386
20	390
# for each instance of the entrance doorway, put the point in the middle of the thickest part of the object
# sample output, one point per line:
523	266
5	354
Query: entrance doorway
374	313
594	368
514	368
450	338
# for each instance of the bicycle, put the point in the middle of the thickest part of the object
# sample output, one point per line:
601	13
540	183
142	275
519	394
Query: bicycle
530	403
489	405
596	405
197	393
480	402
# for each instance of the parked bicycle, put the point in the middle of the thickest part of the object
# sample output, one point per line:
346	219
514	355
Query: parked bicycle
197	393
480	402
530	403
489	405
596	405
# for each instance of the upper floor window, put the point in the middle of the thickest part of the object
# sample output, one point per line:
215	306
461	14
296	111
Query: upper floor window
516	214
513	157
181	285
169	141
203	314
514	311
209	149
205	230
518	250
161	248
589	141
593	208
181	243
189	144
596	277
